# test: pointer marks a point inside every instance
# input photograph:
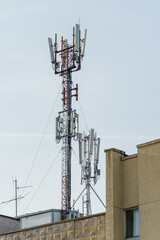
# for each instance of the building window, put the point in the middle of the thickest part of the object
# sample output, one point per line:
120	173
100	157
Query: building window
132	223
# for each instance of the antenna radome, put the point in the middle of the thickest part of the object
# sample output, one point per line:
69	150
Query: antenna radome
51	50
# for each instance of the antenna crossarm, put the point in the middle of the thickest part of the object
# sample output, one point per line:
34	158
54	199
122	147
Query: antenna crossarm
63	50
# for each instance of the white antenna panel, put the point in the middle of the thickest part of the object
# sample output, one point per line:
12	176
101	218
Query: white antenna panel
85	146
91	135
84	150
84	42
77	28
51	50
77	124
84	161
65	42
80	148
76	127
57	135
98	146
71	124
57	130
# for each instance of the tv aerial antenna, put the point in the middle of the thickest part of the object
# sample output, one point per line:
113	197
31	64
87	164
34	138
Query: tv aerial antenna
16	198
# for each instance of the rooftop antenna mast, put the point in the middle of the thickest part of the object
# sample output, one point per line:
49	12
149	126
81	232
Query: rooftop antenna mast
16	198
16	195
89	148
65	62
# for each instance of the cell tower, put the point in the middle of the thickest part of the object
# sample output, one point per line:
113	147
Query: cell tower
64	62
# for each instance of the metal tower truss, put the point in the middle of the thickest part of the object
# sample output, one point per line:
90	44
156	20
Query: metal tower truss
64	62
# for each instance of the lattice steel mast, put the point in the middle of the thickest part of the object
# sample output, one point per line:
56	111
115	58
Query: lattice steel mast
66	61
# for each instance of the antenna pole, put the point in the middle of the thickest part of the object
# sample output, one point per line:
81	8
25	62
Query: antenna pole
16	198
15	184
88	199
69	140
66	143
16	195
83	205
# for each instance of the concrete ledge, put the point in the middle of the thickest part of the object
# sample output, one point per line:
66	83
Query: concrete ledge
129	157
148	143
54	223
134	238
115	150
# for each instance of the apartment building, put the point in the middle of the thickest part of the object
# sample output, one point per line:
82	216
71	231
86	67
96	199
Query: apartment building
133	193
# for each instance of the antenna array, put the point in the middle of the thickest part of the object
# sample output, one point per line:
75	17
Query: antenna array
88	149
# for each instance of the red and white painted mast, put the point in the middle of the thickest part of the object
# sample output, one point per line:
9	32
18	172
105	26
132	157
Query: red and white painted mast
65	62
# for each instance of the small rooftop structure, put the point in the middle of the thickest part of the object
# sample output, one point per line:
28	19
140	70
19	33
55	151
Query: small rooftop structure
8	224
44	217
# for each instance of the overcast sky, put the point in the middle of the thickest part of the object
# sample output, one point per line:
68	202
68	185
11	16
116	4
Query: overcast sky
119	89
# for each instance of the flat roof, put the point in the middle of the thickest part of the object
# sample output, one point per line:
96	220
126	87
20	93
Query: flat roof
129	157
115	150
13	218
39	212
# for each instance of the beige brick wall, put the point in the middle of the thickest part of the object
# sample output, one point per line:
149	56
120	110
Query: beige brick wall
149	189
133	181
86	228
114	195
130	181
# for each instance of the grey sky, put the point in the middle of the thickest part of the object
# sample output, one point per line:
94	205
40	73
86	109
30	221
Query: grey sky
118	87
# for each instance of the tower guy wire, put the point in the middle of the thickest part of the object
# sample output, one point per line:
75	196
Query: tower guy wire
41	140
83	114
46	174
